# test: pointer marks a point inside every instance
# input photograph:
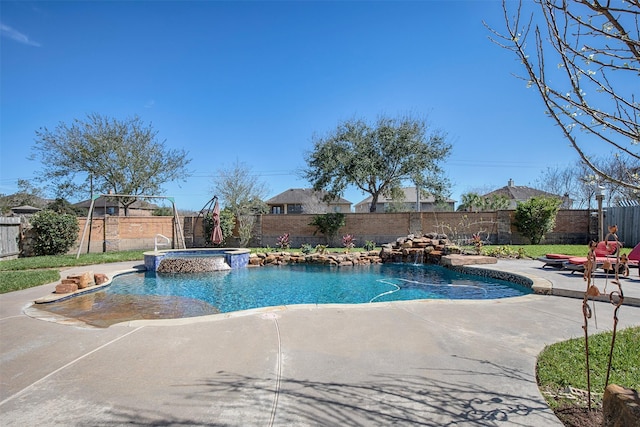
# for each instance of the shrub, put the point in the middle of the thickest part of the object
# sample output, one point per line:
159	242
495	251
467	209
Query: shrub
348	242
283	242
306	248
476	239
369	245
536	217
55	233
504	252
328	224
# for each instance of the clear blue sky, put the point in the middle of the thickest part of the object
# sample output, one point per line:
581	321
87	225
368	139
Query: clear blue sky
252	81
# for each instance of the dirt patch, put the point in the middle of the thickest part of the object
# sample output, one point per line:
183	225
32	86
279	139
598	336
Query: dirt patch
576	416
572	406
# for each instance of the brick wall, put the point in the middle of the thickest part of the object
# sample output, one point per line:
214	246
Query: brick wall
115	233
572	227
126	233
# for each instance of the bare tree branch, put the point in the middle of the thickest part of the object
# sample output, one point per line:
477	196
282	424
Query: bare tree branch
584	62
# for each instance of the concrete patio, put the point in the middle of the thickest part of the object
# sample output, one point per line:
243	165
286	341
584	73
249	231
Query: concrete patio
433	362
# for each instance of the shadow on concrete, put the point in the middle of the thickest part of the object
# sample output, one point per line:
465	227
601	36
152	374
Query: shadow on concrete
385	399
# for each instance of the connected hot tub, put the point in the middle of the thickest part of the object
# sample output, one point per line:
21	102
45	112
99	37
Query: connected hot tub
199	259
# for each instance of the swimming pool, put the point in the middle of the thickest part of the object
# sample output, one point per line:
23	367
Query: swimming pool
244	289
151	295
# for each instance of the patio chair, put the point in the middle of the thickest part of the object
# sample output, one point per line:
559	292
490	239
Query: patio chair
554	260
633	258
577	263
605	252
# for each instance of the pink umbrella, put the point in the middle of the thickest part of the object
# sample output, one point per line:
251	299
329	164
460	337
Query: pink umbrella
216	233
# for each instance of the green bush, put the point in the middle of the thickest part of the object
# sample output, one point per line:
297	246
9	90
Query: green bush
503	252
55	233
369	245
328	225
536	217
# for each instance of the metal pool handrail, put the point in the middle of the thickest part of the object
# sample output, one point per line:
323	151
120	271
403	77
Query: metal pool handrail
155	246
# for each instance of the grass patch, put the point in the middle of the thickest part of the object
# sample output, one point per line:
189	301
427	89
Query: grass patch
562	365
535	251
15	280
60	261
22	273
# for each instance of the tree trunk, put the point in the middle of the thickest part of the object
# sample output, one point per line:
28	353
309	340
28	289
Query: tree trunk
374	202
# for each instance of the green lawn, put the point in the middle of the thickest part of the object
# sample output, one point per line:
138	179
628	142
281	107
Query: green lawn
563	364
60	261
15	280
535	251
22	273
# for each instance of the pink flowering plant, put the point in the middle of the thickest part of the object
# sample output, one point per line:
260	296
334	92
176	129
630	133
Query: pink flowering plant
477	242
348	242
283	242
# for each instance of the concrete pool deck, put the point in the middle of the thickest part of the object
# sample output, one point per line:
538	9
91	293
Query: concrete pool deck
428	363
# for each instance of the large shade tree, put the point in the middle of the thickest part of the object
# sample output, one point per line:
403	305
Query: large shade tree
110	155
583	58
377	158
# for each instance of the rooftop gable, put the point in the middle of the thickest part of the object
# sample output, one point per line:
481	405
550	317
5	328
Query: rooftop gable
409	197
519	192
301	195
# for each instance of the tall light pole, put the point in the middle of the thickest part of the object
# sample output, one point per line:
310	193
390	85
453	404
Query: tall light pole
600	197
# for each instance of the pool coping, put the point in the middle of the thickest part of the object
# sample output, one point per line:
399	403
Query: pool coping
539	286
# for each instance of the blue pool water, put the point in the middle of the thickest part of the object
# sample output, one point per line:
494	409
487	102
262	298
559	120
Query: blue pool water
247	288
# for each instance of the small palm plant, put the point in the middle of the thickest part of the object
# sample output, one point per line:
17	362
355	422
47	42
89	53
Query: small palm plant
369	245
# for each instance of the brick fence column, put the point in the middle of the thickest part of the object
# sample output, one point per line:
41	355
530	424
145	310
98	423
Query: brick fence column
112	234
415	223
503	219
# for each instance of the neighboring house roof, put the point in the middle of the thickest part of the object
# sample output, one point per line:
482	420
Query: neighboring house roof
103	201
24	199
302	195
519	192
409	197
25	209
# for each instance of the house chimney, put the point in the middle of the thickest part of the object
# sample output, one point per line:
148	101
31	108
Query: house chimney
510	183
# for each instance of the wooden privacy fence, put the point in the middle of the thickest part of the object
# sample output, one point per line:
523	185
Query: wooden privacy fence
9	237
627	219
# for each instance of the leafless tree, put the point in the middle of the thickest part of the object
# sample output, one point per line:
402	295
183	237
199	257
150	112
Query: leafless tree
583	57
242	192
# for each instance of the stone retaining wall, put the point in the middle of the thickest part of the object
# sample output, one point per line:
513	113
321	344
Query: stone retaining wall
409	249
